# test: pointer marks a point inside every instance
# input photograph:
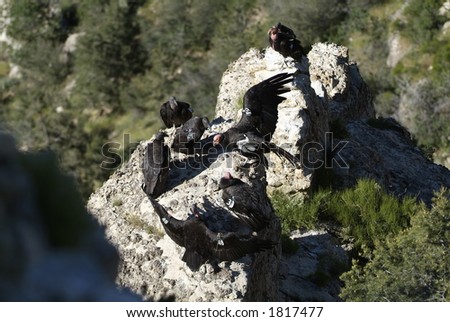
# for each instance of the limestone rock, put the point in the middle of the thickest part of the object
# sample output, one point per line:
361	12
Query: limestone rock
326	87
349	96
302	117
311	273
383	150
152	263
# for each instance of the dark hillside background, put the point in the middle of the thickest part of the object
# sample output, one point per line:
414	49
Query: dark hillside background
131	55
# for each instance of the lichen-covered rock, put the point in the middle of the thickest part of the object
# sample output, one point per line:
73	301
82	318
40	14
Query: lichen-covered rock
381	149
326	87
334	76
311	274
152	264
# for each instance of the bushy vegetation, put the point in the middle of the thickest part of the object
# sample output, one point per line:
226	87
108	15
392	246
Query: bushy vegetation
401	248
131	55
296	213
409	266
366	213
419	79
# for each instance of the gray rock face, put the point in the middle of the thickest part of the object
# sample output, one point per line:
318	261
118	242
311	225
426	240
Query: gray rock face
152	263
302	117
383	150
327	87
348	95
311	273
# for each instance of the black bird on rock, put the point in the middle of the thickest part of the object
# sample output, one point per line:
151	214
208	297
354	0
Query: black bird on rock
187	138
252	134
283	40
175	112
202	244
250	205
155	166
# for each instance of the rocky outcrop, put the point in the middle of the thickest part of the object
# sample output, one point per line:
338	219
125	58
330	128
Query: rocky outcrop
381	149
348	95
151	262
51	249
327	89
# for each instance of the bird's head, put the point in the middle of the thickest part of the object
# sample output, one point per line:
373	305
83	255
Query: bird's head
218	139
173	102
205	122
273	33
228	180
227	175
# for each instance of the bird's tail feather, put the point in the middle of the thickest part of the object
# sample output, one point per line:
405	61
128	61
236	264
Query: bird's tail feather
282	153
193	260
265	244
159	209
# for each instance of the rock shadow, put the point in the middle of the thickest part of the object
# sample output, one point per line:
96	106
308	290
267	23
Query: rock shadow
185	167
314	269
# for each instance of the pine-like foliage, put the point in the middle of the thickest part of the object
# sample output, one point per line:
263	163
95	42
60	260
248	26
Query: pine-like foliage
410	266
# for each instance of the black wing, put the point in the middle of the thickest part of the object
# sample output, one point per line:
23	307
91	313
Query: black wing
167	111
185	112
288	32
248	205
189	134
193	259
251	143
261	103
155	167
173	227
231	246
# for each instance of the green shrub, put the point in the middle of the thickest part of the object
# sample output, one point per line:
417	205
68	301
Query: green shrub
410	266
423	20
365	212
368	214
295	213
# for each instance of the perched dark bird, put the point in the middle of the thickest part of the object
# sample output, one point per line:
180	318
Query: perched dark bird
252	134
175	112
187	138
283	40
250	205
202	244
156	166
